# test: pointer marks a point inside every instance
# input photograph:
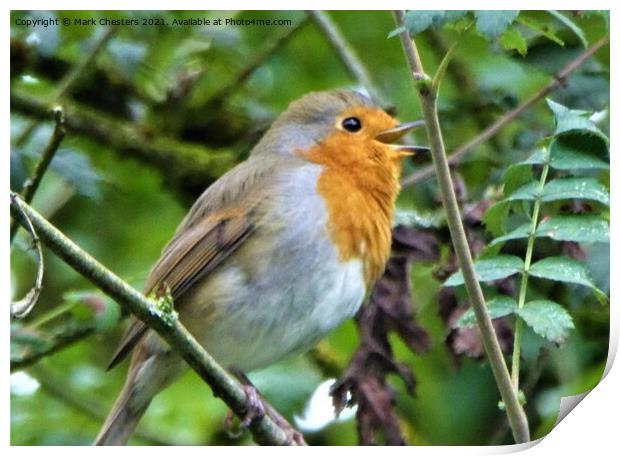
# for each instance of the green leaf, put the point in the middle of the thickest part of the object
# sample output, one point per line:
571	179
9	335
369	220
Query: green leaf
573	120
586	188
512	39
527	192
418	21
521	232
415	218
537	158
540	28
571	25
547	319
492	268
494	23
566	155
575	228
498	307
564	269
516	176
496	217
571	151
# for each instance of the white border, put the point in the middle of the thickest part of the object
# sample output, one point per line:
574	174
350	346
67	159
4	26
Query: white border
590	429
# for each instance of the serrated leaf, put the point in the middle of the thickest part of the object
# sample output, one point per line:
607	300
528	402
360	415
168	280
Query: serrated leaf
537	158
494	23
540	28
512	39
564	269
577	228
491	268
573	151
496	217
573	120
527	192
571	25
418	21
498	307
586	188
567	156
547	319
520	233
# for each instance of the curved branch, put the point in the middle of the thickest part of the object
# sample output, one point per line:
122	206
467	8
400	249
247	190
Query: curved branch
165	323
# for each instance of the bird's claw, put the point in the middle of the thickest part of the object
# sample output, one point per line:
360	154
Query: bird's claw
255	410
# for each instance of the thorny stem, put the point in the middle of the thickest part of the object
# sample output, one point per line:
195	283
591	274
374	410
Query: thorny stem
264	429
560	79
428	101
516	353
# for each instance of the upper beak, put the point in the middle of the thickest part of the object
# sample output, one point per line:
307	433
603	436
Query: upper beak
391	135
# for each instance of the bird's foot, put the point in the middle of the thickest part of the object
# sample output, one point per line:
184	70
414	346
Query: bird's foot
255	409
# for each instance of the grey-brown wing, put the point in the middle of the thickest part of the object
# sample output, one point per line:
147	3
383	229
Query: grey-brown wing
192	253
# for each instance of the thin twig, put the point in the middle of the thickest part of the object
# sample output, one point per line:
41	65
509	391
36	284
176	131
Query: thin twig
346	53
560	79
62	337
164	322
32	183
21	308
69	79
225	92
185	163
65	394
428	102
73	76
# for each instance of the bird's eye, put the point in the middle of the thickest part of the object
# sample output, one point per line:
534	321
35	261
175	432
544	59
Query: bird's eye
352	124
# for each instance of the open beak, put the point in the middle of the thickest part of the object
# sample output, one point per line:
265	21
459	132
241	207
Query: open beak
391	135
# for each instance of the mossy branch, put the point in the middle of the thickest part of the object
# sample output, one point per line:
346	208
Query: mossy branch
264	429
428	101
187	164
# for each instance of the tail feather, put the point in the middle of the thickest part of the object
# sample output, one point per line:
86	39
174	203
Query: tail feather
150	372
122	420
124	416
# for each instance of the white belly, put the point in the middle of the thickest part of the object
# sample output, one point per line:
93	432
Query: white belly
264	326
283	291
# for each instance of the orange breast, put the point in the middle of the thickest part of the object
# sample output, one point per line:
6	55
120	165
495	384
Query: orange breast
359	185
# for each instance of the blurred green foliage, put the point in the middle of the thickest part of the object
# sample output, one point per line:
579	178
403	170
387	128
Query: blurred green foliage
168	81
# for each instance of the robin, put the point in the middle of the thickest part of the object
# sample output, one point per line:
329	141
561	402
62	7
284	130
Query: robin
279	251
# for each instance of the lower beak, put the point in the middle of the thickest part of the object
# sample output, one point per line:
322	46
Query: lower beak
391	135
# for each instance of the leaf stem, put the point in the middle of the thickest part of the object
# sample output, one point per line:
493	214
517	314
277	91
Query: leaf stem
428	102
516	353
